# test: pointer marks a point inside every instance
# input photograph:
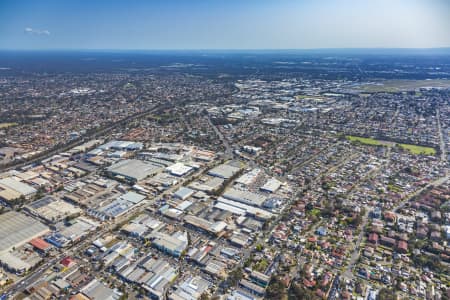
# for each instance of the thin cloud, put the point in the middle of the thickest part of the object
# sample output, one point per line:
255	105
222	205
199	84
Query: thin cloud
29	30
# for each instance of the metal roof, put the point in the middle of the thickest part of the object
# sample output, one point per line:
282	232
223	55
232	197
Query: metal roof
17	229
17	186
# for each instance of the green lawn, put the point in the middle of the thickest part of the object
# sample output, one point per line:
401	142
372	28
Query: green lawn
365	141
6	125
414	149
315	212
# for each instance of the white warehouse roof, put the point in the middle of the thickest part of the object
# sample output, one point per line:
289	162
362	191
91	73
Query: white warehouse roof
17	229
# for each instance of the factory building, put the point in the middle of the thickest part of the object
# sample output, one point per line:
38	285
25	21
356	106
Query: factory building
52	210
216	228
271	186
133	170
183	193
224	171
190	289
174	244
245	197
17	229
12	189
179	169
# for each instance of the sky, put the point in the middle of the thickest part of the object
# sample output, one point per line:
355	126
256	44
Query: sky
223	24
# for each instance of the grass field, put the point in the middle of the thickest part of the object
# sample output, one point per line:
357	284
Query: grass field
414	149
365	141
6	125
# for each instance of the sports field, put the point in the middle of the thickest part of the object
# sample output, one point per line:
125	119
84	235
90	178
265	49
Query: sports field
6	125
414	149
365	141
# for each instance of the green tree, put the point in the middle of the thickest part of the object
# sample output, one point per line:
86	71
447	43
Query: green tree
298	292
235	276
386	294
276	289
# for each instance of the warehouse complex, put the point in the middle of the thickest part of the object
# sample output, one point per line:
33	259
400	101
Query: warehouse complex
134	170
169	221
17	229
12	189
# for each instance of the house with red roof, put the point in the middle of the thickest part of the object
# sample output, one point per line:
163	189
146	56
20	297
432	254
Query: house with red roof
402	247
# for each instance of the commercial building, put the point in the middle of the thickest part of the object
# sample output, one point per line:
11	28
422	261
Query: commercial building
216	268
203	155
242	295
260	278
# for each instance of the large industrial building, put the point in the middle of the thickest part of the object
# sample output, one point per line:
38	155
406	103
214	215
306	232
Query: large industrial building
191	288
160	274
134	170
117	207
179	169
271	186
183	193
174	244
51	209
122	146
12	189
98	290
17	229
224	171
215	228
245	197
78	228
239	208
207	184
